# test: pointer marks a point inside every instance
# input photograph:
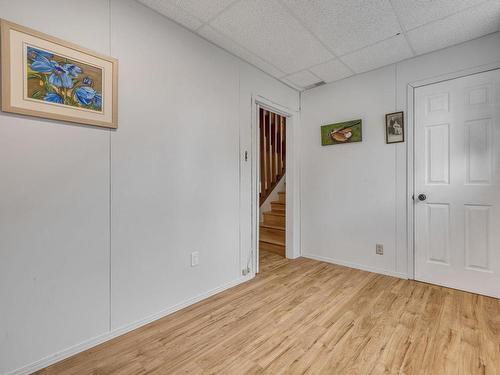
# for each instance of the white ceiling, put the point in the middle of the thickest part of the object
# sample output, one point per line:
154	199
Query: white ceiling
304	42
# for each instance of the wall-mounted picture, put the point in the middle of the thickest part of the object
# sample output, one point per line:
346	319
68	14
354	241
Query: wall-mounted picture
394	127
342	132
47	77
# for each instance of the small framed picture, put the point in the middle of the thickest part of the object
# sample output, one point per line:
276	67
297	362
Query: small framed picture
342	132
394	127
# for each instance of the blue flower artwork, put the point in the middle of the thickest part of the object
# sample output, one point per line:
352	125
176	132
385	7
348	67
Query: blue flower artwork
59	80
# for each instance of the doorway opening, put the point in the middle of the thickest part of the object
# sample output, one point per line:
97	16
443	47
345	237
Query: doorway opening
272	186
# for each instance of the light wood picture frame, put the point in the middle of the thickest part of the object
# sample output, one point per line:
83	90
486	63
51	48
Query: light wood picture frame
394	127
47	77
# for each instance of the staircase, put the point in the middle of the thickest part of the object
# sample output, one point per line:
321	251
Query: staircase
272	133
272	229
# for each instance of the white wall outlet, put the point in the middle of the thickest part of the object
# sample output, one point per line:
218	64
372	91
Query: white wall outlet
195	258
379	249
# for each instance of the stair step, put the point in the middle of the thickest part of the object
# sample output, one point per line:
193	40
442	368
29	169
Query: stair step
282	196
272	226
271	235
277	249
274	218
274	213
278	206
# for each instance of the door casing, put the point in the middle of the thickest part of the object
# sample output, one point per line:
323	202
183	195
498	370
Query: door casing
292	213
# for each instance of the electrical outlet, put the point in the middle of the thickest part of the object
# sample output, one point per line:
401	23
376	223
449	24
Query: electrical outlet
379	249
195	258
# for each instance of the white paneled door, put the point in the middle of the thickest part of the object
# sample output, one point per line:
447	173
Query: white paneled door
457	183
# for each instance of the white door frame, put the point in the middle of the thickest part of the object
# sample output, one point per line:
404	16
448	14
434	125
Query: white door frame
410	174
291	176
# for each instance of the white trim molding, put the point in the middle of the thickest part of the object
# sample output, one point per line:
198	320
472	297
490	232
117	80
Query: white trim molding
66	353
410	189
358	266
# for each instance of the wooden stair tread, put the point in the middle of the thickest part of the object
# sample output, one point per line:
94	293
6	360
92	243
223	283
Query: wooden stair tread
281	197
273	241
272	226
274	213
272	235
278	206
277	249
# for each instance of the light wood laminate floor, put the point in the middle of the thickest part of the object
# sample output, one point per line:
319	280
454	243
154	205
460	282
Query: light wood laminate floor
308	317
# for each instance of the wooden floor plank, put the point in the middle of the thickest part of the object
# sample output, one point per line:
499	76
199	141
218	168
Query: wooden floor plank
308	317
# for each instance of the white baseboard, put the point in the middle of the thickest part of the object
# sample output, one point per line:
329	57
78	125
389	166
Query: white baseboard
63	354
357	266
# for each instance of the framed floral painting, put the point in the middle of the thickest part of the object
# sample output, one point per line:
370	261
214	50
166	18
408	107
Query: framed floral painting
47	77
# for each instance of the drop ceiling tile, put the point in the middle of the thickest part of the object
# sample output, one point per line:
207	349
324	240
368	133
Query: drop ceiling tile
347	25
458	28
331	71
414	13
265	28
229	45
384	53
205	10
173	12
302	79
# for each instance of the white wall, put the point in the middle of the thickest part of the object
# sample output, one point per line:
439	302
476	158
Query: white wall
97	226
354	196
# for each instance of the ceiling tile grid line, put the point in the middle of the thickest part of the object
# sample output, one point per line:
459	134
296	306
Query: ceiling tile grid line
267	29
411	12
326	62
280	77
341	70
314	74
458	28
233	3
403	30
311	32
332	70
202	9
339	58
382	54
344	25
303	79
174	12
199	32
483	2
304	42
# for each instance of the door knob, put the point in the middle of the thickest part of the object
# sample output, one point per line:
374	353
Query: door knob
422	197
